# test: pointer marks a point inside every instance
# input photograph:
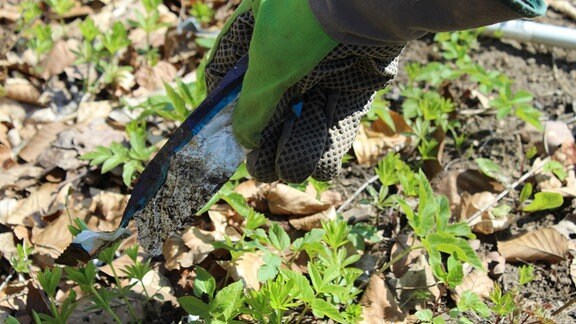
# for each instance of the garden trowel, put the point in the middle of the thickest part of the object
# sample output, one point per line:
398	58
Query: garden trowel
198	158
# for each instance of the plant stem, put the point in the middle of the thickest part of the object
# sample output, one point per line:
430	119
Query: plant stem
398	258
104	305
304	311
123	296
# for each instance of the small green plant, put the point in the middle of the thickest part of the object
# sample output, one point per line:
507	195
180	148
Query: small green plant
21	261
327	291
130	158
49	280
60	7
149	22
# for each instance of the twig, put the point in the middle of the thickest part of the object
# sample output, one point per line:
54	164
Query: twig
507	191
563	307
356	193
7	280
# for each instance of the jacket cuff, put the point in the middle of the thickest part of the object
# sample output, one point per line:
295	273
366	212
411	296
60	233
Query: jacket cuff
378	22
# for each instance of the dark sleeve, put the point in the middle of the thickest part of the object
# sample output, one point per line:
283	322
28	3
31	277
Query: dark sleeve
376	22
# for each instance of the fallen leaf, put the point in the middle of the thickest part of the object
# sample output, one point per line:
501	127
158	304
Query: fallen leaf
21	90
454	183
476	281
7	246
37	203
41	141
20	177
418	279
379	304
246	268
307	223
153	78
488	223
285	200
90	110
109	205
374	141
403	242
54	238
191	248
59	57
155	283
544	244
14	295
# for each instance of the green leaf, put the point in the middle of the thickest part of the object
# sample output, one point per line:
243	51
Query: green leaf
270	268
204	283
425	315
129	171
49	280
278	237
13	320
555	167
471	301
491	169
526	274
455	272
526	192
119	155
458	247
321	308
176	100
543	201
228	301
195	306
315	277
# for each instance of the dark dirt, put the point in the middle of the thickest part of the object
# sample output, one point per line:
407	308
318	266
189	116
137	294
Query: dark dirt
549	74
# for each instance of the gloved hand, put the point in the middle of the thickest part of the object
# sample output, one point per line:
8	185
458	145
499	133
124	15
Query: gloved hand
314	66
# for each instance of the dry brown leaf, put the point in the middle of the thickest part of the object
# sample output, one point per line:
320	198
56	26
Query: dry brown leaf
21	90
38	203
20	177
155	283
14	295
7	207
54	238
476	281
419	277
544	244
59	57
246	268
454	183
488	223
332	197
379	304
191	248
403	242
110	205
153	78
285	200
41	141
307	223
5	146
564	6
90	110
7	246
374	141
12	112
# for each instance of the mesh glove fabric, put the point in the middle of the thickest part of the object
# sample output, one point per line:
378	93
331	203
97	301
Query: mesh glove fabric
334	96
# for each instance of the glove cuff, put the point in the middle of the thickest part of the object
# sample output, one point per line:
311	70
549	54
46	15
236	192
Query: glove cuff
377	22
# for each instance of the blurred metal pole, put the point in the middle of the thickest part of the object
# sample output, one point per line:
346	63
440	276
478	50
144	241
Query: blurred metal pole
530	31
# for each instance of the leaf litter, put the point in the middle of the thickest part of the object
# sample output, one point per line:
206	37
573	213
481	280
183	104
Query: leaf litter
37	135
